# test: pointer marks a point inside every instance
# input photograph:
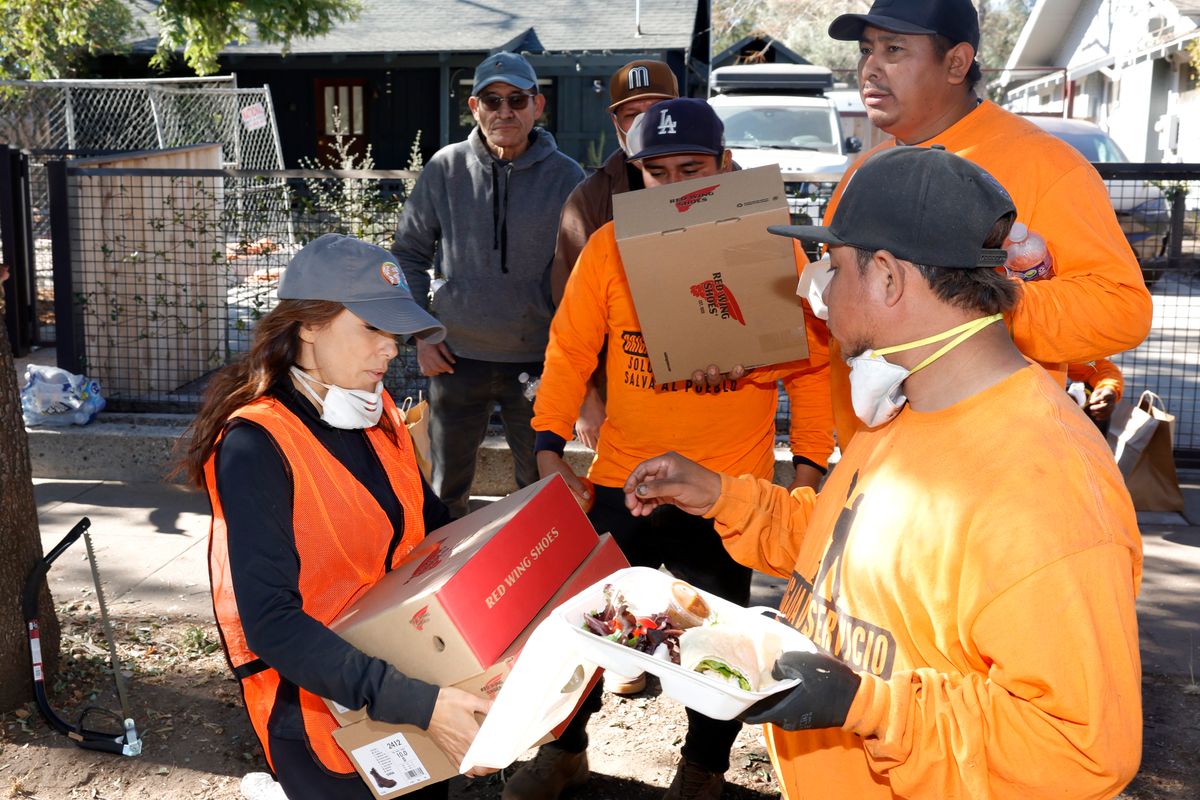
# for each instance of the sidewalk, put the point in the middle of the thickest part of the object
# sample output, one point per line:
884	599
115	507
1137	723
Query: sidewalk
151	547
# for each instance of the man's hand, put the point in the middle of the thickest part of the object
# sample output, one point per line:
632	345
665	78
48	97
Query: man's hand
806	475
712	376
434	359
1102	403
671	479
591	417
821	700
454	725
549	462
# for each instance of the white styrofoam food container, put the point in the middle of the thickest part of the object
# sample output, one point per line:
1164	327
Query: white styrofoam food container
648	591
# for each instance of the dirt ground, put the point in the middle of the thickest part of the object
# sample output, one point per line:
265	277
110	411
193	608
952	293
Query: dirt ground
198	743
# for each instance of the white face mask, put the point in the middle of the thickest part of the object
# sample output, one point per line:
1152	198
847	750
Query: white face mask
348	409
813	280
875	382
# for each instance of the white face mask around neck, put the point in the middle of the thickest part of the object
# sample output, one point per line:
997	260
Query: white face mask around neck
347	409
875	382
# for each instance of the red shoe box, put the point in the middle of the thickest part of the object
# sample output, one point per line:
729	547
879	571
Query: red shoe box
468	590
405	754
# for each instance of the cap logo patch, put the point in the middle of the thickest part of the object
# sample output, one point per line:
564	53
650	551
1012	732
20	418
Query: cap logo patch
638	78
392	274
666	125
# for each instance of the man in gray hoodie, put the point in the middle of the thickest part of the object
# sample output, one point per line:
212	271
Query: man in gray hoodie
490	206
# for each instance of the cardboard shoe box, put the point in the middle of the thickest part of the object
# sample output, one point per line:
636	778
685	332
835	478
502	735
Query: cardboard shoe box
465	593
710	284
396	759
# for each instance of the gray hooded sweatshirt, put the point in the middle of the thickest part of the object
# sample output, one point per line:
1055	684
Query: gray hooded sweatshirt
495	223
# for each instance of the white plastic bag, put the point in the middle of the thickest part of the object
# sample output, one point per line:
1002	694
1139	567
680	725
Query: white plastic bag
527	708
53	396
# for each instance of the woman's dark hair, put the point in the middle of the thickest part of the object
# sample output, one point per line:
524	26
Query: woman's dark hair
275	349
986	290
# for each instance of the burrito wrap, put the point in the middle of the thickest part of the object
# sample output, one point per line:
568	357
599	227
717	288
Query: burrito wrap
722	646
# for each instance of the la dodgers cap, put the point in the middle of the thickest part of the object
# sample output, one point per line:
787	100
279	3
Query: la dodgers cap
921	204
365	279
682	125
504	67
957	20
644	78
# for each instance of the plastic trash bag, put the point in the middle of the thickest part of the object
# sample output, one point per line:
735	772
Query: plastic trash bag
53	396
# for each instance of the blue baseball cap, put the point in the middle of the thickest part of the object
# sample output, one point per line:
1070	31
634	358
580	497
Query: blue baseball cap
509	68
364	278
681	125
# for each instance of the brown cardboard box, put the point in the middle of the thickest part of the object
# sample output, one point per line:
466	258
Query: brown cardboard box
469	589
710	284
406	754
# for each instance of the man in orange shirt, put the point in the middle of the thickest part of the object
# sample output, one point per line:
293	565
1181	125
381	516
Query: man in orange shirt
948	570
728	426
916	75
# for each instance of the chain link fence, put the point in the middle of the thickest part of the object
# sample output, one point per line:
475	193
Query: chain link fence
53	119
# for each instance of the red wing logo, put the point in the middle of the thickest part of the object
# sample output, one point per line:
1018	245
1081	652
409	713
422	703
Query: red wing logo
684	202
718	298
492	687
431	561
420	618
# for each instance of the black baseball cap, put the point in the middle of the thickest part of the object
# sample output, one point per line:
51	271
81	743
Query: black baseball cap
672	127
921	204
365	279
957	20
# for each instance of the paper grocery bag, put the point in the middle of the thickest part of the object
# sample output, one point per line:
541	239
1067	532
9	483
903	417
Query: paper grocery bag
1141	437
416	418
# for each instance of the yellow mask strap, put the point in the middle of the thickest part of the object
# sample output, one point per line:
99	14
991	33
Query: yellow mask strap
960	334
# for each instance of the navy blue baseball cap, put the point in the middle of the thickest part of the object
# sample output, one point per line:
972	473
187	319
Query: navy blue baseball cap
364	278
511	68
957	20
672	127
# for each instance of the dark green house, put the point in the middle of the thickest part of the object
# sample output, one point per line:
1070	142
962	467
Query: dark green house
405	66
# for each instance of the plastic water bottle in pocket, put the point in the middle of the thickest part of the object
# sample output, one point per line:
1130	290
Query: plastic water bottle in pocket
531	385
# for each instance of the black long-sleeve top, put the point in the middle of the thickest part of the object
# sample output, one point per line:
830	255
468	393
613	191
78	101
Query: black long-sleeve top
255	488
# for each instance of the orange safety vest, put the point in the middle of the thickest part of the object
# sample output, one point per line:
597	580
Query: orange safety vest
342	537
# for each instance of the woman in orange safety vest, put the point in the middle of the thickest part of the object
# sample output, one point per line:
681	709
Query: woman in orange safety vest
315	496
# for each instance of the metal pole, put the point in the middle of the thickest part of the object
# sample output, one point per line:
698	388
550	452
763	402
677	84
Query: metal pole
68	344
156	113
14	301
70	116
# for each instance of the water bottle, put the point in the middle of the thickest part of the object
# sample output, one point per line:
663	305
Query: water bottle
531	385
1028	257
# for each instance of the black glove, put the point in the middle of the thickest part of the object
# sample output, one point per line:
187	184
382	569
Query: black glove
821	700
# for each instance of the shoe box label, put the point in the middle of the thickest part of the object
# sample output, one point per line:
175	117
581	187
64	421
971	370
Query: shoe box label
390	763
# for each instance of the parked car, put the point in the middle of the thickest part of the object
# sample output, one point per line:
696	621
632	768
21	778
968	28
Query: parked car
1143	212
780	114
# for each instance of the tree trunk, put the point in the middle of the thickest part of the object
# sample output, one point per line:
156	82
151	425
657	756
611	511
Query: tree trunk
20	545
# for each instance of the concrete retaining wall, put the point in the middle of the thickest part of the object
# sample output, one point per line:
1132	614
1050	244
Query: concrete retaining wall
138	447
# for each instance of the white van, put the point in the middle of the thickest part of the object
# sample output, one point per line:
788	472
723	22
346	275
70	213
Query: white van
780	114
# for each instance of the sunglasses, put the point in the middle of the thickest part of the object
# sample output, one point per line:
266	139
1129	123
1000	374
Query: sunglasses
516	101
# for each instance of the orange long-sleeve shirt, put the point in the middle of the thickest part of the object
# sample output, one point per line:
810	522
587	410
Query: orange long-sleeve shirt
1099	374
730	428
1096	304
953	560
